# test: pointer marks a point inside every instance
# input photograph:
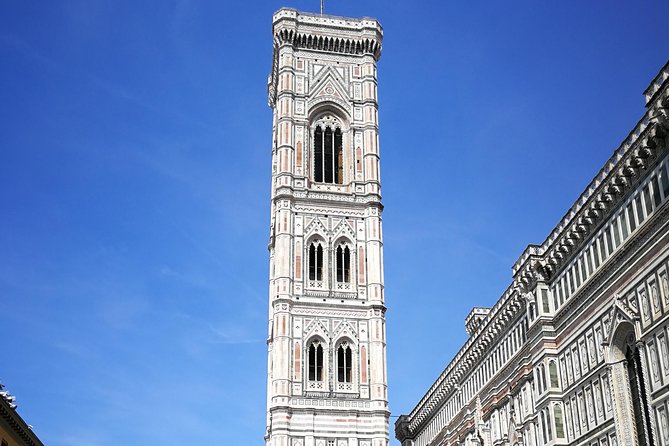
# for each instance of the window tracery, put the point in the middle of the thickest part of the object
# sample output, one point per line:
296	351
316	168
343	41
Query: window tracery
343	263
328	146
315	262
344	362
315	364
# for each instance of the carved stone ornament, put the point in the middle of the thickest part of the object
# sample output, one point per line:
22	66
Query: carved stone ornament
541	271
329	120
621	312
529	298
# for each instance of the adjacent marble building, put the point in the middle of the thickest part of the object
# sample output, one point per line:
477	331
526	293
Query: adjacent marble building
326	381
576	350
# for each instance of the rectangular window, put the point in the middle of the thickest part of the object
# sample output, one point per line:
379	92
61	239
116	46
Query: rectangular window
318	155
548	424
648	200
623	225
583	273
656	191
577	274
595	253
571	281
609	241
602	247
630	214
614	229
639	209
589	257
665	179
544	298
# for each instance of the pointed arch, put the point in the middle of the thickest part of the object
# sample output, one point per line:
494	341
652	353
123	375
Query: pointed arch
315	259
343	263
624	354
553	374
315	360
344	360
327	130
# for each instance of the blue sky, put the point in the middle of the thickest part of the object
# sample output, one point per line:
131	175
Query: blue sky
134	200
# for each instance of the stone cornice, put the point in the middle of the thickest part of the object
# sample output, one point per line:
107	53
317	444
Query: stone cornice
343	35
656	225
332	198
655	86
16	424
628	164
503	314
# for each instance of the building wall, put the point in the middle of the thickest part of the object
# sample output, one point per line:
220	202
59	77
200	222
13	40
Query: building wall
324	77
13	429
576	350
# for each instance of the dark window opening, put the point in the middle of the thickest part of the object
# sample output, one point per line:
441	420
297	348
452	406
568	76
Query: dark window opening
657	198
616	236
328	161
648	200
665	180
316	362
344	360
338	155
343	264
315	261
609	241
630	213
559	424
639	209
328	155
318	155
623	225
552	371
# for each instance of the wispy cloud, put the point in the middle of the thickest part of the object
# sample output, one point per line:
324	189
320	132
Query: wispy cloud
234	334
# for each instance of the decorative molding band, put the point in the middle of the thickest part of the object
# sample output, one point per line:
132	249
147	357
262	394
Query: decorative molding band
330	44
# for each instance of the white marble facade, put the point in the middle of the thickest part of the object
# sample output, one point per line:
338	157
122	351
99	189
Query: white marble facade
576	351
326	381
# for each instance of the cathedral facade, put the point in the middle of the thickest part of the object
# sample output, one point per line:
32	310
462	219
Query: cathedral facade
326	381
576	350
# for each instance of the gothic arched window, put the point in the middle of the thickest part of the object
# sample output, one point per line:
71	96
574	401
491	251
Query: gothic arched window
541	377
559	423
315	261
553	373
344	361
343	264
328	155
315	361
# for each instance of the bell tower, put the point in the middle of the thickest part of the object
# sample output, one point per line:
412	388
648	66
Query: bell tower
326	380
